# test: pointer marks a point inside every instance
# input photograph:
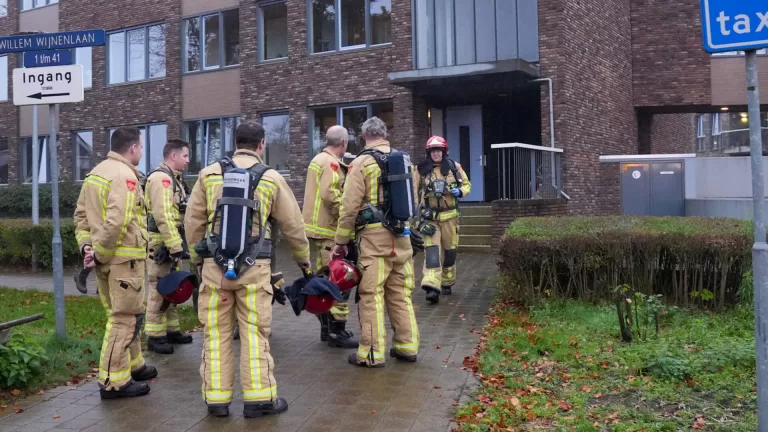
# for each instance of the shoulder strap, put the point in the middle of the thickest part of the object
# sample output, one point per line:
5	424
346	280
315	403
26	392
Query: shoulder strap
454	170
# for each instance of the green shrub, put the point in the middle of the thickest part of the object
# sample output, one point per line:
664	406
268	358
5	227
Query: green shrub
20	360
18	239
17	200
690	261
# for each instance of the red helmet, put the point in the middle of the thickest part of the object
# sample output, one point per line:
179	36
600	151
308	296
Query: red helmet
437	143
345	275
177	286
319	305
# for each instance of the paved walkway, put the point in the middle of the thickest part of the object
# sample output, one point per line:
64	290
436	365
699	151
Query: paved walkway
323	391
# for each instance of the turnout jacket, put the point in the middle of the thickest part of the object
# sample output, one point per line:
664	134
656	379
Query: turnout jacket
277	200
322	195
423	177
163	200
110	214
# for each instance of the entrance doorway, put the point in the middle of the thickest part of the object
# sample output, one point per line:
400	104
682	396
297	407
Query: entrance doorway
464	132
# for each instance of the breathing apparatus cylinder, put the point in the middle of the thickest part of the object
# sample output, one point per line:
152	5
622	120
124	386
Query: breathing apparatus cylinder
235	223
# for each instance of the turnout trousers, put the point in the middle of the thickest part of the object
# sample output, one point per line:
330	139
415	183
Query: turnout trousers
440	255
121	289
159	323
320	251
222	303
388	280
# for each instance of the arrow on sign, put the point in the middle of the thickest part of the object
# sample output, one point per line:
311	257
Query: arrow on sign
40	95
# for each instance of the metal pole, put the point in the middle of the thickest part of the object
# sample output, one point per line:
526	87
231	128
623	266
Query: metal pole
58	271
759	249
35	169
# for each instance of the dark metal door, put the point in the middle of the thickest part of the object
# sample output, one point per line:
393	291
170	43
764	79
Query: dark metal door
635	189
667	194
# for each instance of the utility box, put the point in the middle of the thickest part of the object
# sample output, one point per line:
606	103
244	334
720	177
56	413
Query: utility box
652	188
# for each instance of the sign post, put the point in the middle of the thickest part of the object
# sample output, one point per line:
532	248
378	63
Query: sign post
49	78
729	26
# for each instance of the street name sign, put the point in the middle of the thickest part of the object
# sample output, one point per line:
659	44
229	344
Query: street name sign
48	58
51	41
48	85
730	25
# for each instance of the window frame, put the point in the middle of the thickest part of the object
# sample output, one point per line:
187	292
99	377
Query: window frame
76	153
108	53
147	140
47	3
339	109
42	140
201	48
8	79
7	160
287	172
86	86
260	35
185	135
337	29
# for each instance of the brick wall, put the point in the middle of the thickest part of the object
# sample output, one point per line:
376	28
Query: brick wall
610	191
591	65
673	133
504	212
669	65
9	127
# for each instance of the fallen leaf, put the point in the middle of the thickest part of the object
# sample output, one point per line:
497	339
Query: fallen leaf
437	346
94	369
455	404
15	392
57	416
514	401
69	383
87	351
565	406
18	410
597	396
699	422
373	411
586	389
40	393
436	387
462	317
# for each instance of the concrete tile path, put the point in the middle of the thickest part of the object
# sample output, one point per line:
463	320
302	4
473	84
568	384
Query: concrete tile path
324	392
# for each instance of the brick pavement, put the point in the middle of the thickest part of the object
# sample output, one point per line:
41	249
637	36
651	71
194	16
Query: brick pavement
324	392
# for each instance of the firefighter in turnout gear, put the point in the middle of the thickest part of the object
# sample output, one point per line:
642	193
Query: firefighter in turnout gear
322	199
166	195
386	255
110	226
440	183
229	220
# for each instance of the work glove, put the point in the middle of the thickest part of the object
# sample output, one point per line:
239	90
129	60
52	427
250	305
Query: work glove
277	283
161	255
427	229
456	192
417	241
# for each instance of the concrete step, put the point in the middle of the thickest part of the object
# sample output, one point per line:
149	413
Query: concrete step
475	220
479	210
475	240
474	249
474	230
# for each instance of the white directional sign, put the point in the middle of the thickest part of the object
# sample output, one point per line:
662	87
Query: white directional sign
48	85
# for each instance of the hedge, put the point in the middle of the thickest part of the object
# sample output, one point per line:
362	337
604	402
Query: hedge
18	237
689	260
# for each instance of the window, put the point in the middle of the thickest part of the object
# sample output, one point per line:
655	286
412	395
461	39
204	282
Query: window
82	146
220	45
136	54
4	161
32	4
352	118
3	12
209	140
273	36
277	137
154	141
715	124
345	24
83	56
3	78
43	169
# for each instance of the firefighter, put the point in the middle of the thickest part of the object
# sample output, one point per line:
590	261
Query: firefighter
322	198
166	202
110	226
231	209
440	183
385	255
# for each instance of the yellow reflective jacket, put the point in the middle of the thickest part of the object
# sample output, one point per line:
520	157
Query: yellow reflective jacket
322	195
163	204
110	213
275	197
448	200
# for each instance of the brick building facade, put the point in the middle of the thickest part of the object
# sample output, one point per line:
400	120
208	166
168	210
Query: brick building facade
194	68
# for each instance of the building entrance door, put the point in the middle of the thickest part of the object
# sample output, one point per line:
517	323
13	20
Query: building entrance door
464	132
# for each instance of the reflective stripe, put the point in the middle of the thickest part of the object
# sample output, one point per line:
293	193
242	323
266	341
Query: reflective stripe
254	362
378	352
340	310
155	327
129	252
450	214
105	340
156	236
301	254
344	232
409	285
137	361
101	250
171	215
173	324
130	198
82	236
374	172
269	393
214	345
217	396
314	229
115	376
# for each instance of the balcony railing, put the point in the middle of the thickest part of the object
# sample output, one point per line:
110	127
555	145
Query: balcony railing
735	139
528	171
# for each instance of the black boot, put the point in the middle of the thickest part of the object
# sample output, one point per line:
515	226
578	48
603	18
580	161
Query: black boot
433	295
338	337
81	279
178	337
159	345
218	410
132	389
236	334
353	360
402	357
257	410
146	373
445	290
324	320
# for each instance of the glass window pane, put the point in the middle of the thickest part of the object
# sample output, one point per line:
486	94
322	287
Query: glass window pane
142	166
4	78
157	140
229	135
157	51
425	34
4	152
323	119
381	21
352	23
116	58
231	37
83	56
39	3
211	41
196	150
384	111
277	139
3	7
275	31
136	55
26	4
214	150
353	118
193	44
445	36
83	154
323	25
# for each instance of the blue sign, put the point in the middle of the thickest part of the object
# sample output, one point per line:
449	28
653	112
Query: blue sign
52	41
730	25
48	58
